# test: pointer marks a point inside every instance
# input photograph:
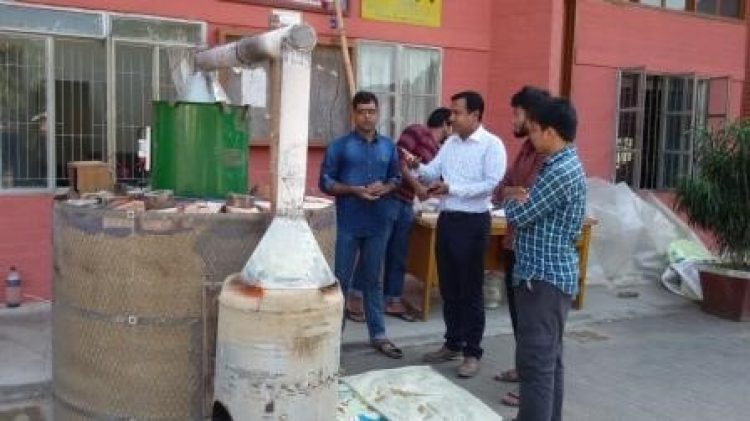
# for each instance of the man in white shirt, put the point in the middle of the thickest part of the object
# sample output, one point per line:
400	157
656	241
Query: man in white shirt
463	174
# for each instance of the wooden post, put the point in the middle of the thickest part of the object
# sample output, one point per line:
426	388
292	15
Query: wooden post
345	48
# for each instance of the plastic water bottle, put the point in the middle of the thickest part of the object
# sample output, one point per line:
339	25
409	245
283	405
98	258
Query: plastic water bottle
13	288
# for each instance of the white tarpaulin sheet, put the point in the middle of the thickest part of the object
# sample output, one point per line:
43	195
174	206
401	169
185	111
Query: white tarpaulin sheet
418	393
630	242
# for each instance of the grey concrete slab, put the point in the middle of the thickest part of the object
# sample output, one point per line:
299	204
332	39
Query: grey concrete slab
25	349
602	304
683	366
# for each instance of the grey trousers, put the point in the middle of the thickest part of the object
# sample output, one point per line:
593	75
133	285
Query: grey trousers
542	311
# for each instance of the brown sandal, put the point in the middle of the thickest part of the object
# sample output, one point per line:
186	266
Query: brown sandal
355	316
388	348
405	316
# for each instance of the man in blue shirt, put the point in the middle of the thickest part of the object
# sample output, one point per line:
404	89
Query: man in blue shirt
361	170
547	221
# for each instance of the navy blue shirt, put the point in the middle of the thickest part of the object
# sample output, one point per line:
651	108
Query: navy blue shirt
354	161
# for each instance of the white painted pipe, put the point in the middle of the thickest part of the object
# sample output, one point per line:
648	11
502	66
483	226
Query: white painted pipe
294	109
256	48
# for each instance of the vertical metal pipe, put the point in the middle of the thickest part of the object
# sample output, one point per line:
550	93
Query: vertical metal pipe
293	131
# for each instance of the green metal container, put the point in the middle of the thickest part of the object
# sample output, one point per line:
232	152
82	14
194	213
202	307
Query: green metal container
200	150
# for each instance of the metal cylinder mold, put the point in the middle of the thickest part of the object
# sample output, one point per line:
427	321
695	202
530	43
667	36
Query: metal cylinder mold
135	307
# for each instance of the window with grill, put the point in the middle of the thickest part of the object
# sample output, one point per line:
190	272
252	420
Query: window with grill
329	96
23	103
70	93
657	115
406	80
724	8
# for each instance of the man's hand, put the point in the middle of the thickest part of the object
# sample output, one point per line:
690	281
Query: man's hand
412	161
437	189
379	189
422	193
519	194
364	193
509	191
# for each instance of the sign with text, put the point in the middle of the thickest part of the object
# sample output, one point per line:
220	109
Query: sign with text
412	12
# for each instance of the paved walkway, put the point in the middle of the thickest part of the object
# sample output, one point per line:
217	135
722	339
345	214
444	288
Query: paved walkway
683	366
651	357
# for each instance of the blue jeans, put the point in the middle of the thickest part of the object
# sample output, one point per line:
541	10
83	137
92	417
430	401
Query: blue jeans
365	254
395	255
395	252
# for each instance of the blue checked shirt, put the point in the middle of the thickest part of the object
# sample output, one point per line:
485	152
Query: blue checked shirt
549	223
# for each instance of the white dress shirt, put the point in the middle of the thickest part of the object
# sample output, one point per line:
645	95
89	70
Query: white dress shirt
471	167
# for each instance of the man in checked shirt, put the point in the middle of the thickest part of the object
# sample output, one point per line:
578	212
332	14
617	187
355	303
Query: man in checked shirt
547	221
519	178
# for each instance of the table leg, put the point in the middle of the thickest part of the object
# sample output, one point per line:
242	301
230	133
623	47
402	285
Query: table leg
583	259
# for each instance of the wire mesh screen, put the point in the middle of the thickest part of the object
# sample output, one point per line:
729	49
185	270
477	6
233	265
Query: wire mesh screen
134	93
139	80
80	104
135	307
23	123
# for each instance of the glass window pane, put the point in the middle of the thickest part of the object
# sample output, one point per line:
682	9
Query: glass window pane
156	30
329	95
706	6
676	4
651	2
387	124
671	170
167	88
80	103
416	109
629	90
134	93
23	106
701	106
51	21
626	144
730	8
376	67
680	94
420	71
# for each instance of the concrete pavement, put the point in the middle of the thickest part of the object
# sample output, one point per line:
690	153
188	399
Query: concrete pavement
651	357
680	366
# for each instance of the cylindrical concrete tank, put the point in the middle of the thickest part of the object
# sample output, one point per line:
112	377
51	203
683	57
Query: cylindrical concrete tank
135	307
279	351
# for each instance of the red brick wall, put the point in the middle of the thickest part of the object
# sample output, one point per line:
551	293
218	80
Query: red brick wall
621	35
464	36
26	242
525	51
746	88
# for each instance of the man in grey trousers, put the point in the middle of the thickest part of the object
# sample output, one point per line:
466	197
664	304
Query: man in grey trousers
547	220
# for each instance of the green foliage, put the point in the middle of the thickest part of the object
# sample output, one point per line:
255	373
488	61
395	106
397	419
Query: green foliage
717	196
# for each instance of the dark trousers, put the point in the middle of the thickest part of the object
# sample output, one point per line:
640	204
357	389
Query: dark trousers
461	240
542	311
509	262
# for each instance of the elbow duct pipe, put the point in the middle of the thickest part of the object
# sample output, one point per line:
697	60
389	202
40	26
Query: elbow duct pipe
256	48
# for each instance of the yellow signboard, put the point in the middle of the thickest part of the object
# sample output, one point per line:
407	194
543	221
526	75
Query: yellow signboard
413	12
